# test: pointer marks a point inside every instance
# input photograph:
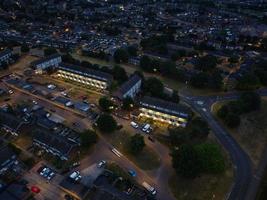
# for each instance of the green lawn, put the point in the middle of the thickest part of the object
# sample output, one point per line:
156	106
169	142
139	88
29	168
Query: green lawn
146	160
252	132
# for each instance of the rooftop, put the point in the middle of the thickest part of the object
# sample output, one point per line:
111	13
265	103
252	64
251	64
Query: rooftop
37	62
165	107
102	76
6	51
59	143
128	85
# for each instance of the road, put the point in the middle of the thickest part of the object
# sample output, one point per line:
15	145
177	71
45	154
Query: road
103	149
243	170
242	163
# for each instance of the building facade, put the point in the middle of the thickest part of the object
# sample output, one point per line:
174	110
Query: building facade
45	63
88	77
164	111
130	88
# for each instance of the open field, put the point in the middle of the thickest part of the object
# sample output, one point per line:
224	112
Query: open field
146	160
203	187
252	132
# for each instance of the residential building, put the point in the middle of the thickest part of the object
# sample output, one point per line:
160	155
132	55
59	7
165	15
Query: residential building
15	191
164	111
7	159
55	144
10	123
130	88
88	77
45	63
5	56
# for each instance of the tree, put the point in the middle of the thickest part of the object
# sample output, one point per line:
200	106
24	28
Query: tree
127	103
178	54
233	59
223	111
206	63
186	162
49	51
200	128
146	64
211	158
119	74
232	120
105	104
199	80
137	144
88	138
25	48
250	101
248	82
121	55
153	87
179	136
235	107
106	123
132	50
216	80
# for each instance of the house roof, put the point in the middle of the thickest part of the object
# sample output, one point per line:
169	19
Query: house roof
91	73
165	107
9	120
6	51
37	62
57	142
5	154
128	85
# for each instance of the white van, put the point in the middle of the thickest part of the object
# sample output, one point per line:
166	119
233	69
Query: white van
134	125
149	188
146	128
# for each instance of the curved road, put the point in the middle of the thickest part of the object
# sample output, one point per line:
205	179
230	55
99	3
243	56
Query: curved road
242	163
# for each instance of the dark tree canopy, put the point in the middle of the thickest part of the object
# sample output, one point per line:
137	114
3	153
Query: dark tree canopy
121	55
250	101
248	82
127	103
153	87
186	161
49	51
137	144
119	74
88	138
106	123
105	104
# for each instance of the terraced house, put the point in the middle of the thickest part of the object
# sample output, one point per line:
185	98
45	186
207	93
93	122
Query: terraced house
46	63
85	76
164	111
5	56
130	88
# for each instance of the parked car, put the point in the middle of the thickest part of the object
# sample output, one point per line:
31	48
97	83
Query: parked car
101	164
134	125
132	173
147	128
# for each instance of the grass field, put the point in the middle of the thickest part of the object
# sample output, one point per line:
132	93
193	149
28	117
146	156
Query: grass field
203	187
146	160
252	132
